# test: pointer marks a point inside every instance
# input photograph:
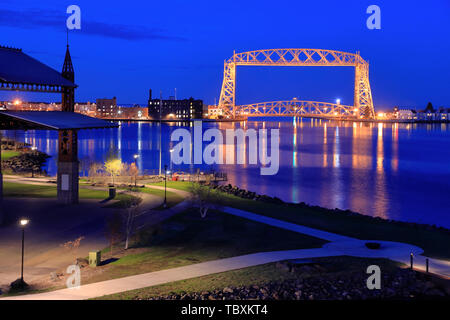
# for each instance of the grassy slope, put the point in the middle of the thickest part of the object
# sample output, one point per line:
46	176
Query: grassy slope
434	242
172	198
6	154
13	189
186	239
258	275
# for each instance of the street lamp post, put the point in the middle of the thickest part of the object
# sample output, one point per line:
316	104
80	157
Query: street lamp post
171	152
135	163
165	186
160	131
32	167
23	224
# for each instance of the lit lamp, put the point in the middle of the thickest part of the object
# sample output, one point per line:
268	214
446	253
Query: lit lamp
135	156
23	223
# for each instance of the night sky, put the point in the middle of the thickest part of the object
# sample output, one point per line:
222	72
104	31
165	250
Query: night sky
124	48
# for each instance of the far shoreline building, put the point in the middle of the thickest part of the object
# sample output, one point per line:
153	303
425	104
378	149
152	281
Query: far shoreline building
173	109
106	108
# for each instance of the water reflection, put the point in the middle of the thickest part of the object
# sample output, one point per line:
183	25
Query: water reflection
397	171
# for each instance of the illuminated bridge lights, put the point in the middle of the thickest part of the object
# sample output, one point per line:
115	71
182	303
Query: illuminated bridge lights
363	103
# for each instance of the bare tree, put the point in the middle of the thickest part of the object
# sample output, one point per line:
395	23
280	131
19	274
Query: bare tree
131	212
95	169
85	165
204	197
72	246
134	171
114	225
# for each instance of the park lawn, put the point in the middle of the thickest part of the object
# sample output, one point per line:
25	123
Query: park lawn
434	242
251	276
172	198
186	239
180	185
6	154
14	189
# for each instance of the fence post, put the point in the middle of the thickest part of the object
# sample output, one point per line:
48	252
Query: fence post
411	258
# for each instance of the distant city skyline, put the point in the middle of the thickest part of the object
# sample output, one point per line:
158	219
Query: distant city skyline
125	50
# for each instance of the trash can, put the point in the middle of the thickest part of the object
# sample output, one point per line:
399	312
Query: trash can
112	193
95	258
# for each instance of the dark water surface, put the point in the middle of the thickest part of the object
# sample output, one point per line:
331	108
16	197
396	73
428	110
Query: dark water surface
395	171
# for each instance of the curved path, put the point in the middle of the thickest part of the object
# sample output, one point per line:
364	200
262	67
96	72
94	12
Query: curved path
54	225
338	246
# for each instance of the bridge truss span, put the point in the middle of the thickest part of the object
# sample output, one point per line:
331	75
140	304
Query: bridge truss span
295	108
363	103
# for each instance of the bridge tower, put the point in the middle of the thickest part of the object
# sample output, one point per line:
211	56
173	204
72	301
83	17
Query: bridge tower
363	95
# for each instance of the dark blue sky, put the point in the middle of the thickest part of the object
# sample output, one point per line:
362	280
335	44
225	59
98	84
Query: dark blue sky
124	48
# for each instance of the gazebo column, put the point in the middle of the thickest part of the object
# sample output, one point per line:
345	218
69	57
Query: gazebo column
67	179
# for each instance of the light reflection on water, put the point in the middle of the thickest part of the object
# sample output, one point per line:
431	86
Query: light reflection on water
395	171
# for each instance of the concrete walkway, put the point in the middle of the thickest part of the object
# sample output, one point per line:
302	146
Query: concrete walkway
53	225
395	251
338	246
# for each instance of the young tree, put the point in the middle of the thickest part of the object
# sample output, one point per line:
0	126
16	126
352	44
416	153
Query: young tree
85	165
72	246
95	169
134	171
114	225
204	197
113	167
131	212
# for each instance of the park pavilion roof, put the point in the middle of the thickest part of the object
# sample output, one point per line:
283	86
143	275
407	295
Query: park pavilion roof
50	120
17	67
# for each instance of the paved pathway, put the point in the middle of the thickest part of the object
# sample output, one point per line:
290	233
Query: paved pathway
338	246
53	225
354	247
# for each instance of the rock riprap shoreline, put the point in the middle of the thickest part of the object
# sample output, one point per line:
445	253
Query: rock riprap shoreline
399	284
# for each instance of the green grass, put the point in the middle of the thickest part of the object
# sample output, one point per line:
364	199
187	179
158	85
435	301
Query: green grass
186	239
180	185
13	189
6	154
172	197
257	275
122	201
243	277
434	242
